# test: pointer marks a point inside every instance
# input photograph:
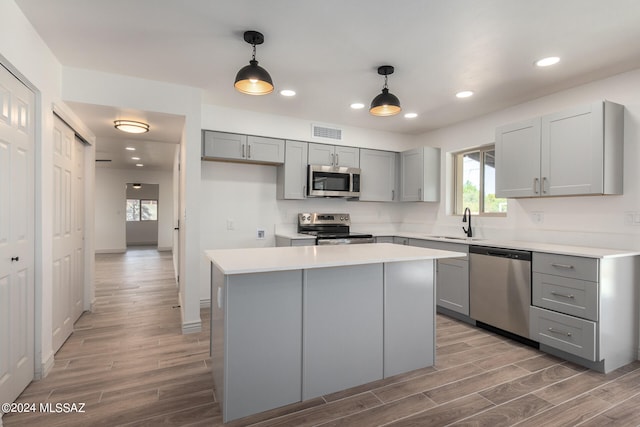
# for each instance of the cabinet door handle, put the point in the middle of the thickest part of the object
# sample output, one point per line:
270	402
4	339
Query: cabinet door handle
557	294
243	156
567	266
419	194
333	159
553	331
536	181
393	194
337	159
304	191
544	185
15	258
248	151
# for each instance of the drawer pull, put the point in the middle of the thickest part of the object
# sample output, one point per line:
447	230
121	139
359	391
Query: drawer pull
562	295
553	331
570	267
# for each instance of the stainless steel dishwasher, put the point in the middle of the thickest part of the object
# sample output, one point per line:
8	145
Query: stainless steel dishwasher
500	288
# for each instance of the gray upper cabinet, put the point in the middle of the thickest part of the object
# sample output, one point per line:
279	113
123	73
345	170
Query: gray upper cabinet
420	175
333	155
378	175
574	152
243	148
292	175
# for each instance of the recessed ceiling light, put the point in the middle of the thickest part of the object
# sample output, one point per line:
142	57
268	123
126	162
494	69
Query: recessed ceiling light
357	105
288	92
464	94
411	115
130	149
139	165
135	158
545	62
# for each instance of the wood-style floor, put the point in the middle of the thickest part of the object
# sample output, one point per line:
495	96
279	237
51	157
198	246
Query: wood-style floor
130	364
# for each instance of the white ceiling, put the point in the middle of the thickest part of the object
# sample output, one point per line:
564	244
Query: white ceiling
328	51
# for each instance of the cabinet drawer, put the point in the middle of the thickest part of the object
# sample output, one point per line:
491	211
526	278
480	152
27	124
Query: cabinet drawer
566	266
570	296
567	333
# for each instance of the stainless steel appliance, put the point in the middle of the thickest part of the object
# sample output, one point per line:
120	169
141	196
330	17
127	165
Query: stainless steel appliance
500	288
330	229
333	181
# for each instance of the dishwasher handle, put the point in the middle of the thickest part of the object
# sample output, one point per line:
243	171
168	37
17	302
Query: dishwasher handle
501	252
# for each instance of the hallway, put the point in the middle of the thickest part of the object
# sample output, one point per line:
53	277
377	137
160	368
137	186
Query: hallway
128	360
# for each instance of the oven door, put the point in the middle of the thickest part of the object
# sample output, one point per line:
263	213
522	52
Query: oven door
333	181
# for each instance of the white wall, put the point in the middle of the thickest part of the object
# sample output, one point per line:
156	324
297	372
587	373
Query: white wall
585	220
110	216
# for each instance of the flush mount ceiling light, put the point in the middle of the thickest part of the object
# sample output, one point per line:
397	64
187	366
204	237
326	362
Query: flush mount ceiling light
136	186
252	79
385	104
131	126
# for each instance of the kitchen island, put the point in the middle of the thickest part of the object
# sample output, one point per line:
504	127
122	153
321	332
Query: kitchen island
293	323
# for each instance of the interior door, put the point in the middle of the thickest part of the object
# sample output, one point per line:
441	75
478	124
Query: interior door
78	224
17	203
66	271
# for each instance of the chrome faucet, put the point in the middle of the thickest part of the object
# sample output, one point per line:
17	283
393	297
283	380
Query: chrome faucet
468	231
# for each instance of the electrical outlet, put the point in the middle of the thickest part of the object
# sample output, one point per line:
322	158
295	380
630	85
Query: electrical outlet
537	217
230	224
260	234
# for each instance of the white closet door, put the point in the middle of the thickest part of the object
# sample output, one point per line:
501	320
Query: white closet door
17	204
68	231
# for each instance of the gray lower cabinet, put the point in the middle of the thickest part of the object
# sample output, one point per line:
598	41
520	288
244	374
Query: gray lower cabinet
585	309
291	181
342	346
262	360
384	239
408	321
241	148
400	240
452	276
287	241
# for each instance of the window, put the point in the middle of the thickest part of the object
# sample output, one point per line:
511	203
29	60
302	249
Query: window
142	210
475	182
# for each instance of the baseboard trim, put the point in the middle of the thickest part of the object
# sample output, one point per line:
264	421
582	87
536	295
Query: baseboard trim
111	251
165	249
46	367
191	327
205	303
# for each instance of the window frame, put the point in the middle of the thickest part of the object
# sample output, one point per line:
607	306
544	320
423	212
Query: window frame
458	157
139	202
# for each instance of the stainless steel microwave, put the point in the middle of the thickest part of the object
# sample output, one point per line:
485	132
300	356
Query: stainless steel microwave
333	181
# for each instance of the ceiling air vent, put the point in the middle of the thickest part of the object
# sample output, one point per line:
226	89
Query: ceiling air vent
324	132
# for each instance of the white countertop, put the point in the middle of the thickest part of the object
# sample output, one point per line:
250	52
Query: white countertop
258	260
582	251
554	248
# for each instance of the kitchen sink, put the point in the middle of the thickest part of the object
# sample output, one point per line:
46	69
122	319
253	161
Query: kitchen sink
465	239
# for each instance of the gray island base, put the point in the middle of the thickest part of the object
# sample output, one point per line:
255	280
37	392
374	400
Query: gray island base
293	323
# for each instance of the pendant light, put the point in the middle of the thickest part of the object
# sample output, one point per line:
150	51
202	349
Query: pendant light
252	79
385	104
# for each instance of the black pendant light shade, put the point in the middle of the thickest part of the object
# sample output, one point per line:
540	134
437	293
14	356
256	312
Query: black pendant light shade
252	79
386	103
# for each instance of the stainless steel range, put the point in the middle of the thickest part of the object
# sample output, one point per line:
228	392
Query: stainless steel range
330	229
